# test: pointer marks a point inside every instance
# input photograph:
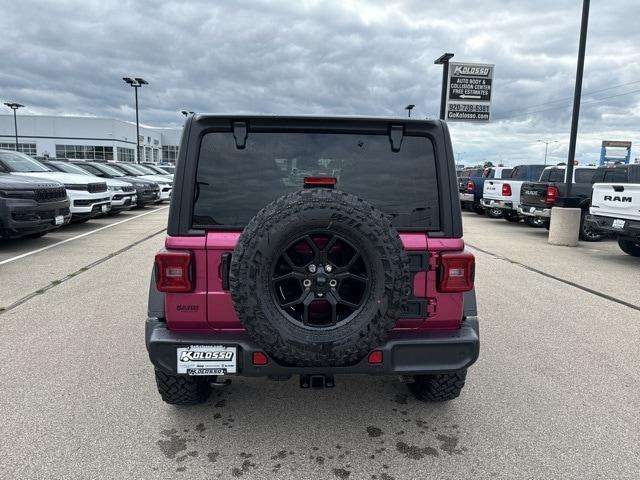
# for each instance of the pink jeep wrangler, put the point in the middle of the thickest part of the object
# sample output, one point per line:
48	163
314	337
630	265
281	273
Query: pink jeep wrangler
313	246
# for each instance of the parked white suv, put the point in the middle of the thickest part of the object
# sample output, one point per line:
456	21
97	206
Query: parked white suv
123	194
88	198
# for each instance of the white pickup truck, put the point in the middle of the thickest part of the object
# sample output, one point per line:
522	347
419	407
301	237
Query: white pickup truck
615	205
505	194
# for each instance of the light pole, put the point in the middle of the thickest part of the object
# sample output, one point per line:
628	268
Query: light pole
408	108
546	147
186	113
444	61
136	83
14	106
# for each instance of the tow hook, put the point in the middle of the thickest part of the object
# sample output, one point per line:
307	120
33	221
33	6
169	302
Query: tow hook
316	381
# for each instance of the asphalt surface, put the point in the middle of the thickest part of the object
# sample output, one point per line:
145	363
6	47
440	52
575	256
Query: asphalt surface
555	394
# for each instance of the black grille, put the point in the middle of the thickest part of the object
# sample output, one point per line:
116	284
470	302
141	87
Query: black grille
128	188
97	187
50	194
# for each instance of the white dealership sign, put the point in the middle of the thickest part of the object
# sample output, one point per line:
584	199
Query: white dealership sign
469	92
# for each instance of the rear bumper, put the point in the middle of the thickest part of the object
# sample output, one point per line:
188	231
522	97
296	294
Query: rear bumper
404	353
489	203
631	228
539	212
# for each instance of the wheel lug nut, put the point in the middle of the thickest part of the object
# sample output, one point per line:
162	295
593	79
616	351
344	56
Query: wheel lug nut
333	283
328	268
312	268
306	282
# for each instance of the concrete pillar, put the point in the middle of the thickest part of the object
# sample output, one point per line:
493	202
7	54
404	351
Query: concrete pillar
565	226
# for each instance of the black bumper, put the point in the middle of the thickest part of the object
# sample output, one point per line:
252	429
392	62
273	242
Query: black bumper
19	217
146	197
631	228
404	353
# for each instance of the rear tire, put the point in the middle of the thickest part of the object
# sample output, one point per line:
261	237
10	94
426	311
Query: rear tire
438	388
630	246
587	233
534	222
182	389
479	209
494	212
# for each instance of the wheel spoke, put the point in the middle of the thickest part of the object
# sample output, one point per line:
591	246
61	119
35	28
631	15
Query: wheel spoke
351	276
285	256
296	275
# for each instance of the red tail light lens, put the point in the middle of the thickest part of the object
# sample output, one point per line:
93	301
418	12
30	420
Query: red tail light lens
506	190
320	181
174	271
457	271
470	186
259	358
375	357
552	194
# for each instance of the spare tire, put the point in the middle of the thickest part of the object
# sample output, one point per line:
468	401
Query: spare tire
319	278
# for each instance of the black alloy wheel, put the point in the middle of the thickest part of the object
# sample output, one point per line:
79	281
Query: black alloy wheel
320	280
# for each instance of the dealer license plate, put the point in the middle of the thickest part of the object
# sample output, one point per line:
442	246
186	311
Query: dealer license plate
617	223
58	220
207	360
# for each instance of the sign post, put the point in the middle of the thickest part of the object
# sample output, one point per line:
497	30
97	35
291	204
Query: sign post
469	92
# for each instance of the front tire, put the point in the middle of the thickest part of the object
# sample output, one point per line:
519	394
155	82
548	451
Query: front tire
182	389
630	246
438	388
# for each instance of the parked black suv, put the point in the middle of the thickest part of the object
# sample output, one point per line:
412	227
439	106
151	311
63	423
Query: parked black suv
30	207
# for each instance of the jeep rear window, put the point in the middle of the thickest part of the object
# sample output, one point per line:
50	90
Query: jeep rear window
234	184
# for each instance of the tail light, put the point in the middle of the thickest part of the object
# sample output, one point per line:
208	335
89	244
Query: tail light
320	181
471	186
506	190
457	271
375	357
174	271
259	358
552	194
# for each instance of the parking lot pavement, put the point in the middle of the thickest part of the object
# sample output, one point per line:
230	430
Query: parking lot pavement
555	393
598	266
29	266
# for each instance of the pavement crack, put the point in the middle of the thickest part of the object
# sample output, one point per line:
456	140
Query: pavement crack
86	268
559	279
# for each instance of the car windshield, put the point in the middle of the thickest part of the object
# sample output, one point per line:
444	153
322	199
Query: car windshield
128	169
145	170
170	169
109	170
69	168
158	170
402	184
19	162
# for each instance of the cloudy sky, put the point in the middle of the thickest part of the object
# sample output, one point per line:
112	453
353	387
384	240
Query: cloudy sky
332	57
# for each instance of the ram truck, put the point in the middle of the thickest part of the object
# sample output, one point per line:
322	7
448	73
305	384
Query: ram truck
615	205
538	198
504	194
471	185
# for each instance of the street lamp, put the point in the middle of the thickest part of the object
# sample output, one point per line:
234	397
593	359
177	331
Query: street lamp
408	108
136	83
14	106
444	61
186	113
546	147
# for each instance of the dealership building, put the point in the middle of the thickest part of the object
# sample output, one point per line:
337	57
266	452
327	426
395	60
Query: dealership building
88	138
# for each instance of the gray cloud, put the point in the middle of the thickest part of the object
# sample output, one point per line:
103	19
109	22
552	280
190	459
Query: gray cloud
333	57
